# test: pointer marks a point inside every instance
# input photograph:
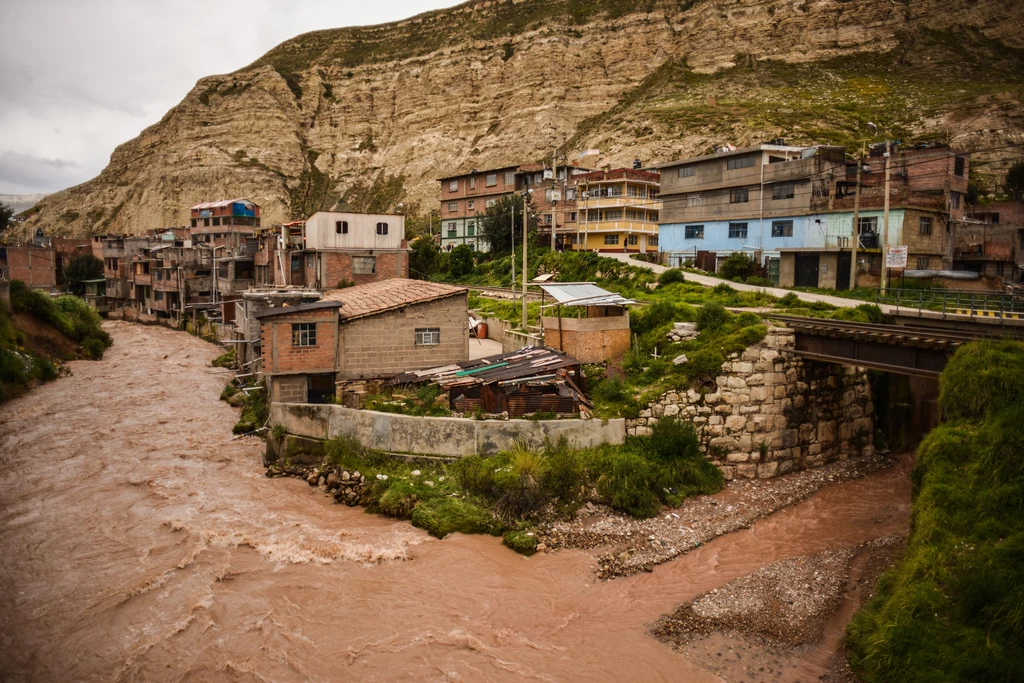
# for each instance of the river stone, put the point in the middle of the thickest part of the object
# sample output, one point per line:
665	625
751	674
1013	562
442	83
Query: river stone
332	480
345	476
311	479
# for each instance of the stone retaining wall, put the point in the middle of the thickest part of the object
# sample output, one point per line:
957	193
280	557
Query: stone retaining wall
771	412
443	436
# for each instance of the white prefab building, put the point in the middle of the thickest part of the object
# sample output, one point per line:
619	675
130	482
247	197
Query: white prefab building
335	230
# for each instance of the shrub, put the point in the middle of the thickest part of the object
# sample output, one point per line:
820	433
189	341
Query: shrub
226	360
738	266
519	485
476	474
671	277
442	516
566	475
255	412
523	542
790	300
712	317
625	483
704	364
673	439
93	348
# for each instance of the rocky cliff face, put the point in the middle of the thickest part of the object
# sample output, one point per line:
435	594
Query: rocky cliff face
368	118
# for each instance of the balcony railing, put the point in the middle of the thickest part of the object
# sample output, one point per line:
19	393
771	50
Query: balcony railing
620	201
612	226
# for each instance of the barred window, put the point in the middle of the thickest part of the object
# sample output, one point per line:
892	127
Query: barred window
303	334
922	263
428	336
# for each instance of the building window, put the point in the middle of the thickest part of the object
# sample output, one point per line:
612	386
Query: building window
783	191
158	295
694	232
471	229
633	240
738	230
428	336
570	194
453	207
958	167
510	178
782	228
364	265
453	185
741	162
472	182
924	226
547	219
471	205
492	179
489	203
611	239
652	240
341	227
570	217
687	171
954	200
739	196
922	263
695	200
451	230
303	334
868	225
549	194
382	228
216	221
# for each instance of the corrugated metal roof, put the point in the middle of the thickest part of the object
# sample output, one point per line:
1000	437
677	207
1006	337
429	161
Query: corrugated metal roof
583	294
387	295
527	362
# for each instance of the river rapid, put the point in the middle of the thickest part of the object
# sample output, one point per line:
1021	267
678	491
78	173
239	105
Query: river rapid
141	542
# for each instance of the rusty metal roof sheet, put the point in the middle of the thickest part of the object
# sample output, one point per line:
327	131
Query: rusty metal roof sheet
527	362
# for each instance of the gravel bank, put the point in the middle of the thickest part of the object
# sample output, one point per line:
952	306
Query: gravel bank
635	545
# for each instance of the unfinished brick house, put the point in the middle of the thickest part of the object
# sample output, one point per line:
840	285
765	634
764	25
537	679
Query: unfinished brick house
330	249
367	331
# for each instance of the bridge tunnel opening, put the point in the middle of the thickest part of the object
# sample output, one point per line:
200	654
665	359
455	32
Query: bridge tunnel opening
906	408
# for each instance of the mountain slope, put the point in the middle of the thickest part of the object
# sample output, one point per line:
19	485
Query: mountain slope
369	117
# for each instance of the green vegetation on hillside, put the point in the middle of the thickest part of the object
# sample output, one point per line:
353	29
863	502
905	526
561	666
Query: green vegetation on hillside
63	329
510	492
953	608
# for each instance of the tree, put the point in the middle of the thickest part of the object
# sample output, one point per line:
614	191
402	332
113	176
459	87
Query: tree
82	268
738	266
6	214
461	262
1015	181
497	223
423	258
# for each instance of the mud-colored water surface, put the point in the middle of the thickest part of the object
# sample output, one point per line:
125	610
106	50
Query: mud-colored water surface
141	542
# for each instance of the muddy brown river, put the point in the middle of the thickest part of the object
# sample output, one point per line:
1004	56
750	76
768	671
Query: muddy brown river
140	542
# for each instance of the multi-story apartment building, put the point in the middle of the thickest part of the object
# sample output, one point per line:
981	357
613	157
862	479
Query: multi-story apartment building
792	208
990	241
332	249
617	210
224	223
40	263
465	197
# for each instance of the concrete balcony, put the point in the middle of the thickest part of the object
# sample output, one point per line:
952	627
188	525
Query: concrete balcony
613	226
619	202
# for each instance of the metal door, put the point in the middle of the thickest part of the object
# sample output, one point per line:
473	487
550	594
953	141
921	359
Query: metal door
806	274
843	270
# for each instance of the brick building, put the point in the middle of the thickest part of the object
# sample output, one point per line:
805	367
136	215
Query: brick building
373	330
40	263
990	241
224	223
331	249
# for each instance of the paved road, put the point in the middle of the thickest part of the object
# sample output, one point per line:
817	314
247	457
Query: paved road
709	281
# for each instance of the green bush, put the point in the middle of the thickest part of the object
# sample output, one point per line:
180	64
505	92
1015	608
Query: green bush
255	412
712	317
442	516
566	475
625	483
226	360
790	300
704	365
738	266
93	348
671	277
523	542
476	474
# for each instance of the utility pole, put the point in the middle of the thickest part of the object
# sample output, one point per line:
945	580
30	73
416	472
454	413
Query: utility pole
524	263
856	230
512	215
885	223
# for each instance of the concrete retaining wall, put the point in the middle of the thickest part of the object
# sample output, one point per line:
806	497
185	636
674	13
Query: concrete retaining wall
445	436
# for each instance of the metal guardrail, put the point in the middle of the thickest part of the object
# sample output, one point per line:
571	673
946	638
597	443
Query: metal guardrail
959	302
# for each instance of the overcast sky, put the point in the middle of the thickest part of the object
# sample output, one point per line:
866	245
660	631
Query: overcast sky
79	77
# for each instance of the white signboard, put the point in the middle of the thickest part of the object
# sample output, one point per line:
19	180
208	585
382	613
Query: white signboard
896	257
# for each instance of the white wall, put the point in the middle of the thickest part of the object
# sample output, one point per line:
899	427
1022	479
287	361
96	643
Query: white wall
321	231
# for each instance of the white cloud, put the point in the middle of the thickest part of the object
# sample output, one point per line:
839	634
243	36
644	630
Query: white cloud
79	77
